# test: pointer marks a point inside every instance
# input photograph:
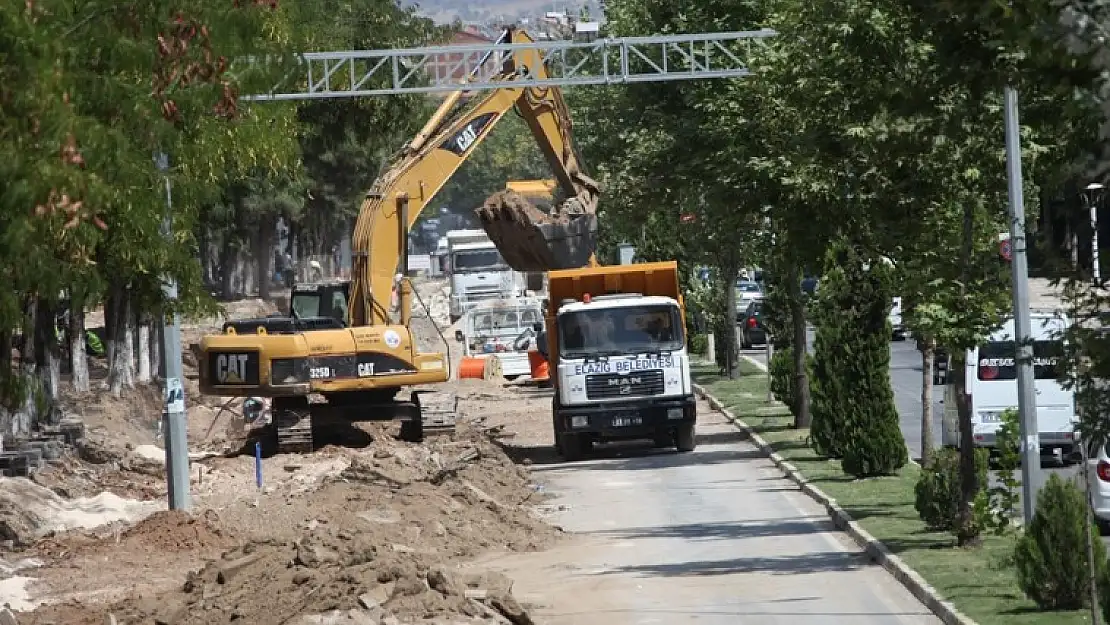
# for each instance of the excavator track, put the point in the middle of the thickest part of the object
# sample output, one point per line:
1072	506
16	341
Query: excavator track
438	411
292	423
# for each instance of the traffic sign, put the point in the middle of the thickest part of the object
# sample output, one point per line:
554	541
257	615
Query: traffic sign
688	218
1006	249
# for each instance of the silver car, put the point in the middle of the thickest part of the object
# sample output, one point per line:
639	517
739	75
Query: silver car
746	293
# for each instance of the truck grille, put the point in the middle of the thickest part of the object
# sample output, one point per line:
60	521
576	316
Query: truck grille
616	385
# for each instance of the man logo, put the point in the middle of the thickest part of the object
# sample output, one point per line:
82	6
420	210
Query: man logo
231	368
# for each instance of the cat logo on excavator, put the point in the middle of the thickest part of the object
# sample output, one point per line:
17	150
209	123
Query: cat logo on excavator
231	368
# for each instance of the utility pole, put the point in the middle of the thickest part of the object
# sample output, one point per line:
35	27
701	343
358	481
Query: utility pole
173	412
1019	264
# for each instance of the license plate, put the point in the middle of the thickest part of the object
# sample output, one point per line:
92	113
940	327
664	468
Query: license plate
990	418
621	422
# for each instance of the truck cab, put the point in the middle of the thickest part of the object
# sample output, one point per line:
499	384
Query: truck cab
619	358
478	273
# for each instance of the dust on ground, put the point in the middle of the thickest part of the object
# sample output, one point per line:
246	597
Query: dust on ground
367	529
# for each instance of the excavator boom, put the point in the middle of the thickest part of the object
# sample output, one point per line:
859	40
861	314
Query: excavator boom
528	239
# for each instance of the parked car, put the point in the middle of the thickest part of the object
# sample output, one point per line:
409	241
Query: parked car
810	285
1098	472
752	331
897	329
746	293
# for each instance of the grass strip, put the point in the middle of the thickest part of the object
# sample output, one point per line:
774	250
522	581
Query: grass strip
981	582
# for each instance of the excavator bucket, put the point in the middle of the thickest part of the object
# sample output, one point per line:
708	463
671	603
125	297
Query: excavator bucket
530	240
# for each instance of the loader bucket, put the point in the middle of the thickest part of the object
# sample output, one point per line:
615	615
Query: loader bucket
530	240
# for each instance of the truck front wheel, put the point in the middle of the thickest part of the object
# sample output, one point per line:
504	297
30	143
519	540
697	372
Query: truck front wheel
684	437
573	446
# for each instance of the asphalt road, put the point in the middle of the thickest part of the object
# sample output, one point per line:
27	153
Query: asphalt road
905	379
713	537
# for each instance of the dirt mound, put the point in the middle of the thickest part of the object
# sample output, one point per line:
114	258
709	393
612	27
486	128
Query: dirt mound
29	511
326	571
173	530
372	532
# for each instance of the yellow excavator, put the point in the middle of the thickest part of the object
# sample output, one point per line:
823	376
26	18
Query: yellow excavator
342	353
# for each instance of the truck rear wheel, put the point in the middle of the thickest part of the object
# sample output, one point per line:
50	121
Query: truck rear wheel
684	437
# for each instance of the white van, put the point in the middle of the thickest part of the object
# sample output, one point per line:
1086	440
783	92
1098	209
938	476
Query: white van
992	383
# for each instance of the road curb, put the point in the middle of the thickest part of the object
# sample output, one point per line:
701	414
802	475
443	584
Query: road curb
876	550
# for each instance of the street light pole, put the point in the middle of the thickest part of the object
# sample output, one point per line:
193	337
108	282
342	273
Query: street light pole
173	413
1019	264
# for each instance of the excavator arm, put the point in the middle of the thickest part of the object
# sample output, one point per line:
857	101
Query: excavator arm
528	239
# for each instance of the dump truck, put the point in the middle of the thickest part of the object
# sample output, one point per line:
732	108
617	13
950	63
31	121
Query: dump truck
616	346
477	272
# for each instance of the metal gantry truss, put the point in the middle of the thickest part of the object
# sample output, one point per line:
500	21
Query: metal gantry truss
438	69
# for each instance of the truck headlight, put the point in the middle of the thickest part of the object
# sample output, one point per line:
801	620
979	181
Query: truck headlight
674	413
579	422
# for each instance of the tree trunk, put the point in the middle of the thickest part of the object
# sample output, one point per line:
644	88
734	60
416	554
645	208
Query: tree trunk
264	257
110	330
121	368
143	370
730	338
21	383
156	349
928	358
227	272
802	418
967	534
48	364
78	359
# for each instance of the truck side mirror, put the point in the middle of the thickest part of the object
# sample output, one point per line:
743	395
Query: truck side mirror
459	336
538	327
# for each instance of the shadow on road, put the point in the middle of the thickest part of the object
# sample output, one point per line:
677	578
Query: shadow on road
826	561
761	528
614	459
638	454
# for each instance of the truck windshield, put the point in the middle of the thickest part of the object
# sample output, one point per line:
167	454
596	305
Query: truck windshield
627	330
997	360
478	260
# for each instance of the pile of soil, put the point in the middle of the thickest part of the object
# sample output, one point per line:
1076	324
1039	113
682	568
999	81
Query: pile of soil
172	530
380	535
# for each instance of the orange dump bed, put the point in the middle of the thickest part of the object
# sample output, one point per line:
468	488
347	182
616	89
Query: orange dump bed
645	278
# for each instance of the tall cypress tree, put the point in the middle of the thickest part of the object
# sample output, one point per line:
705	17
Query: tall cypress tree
871	435
829	355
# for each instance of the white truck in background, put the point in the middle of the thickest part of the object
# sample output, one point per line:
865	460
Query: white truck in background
505	328
478	273
992	384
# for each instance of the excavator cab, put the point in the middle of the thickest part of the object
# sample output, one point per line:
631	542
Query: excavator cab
326	299
321	306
